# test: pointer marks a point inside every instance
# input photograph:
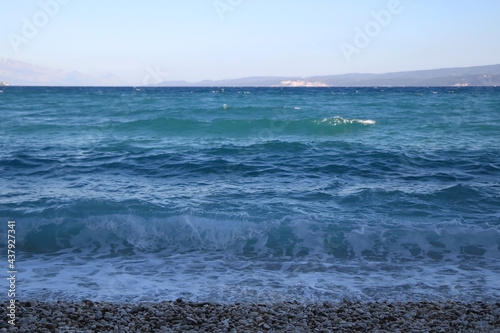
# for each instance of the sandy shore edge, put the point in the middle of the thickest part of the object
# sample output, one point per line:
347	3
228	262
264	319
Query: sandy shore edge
182	316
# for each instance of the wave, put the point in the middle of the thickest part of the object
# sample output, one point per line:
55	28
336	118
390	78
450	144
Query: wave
263	126
152	130
463	176
107	228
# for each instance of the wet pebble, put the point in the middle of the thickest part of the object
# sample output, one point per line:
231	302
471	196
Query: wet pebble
183	316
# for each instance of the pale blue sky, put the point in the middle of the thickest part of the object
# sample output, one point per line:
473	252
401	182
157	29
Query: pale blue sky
191	40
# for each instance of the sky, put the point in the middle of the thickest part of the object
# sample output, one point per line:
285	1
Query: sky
193	40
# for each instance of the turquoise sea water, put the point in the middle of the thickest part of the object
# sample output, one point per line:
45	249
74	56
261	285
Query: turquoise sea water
252	194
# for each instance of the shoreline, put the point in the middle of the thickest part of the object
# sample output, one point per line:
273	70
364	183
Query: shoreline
184	316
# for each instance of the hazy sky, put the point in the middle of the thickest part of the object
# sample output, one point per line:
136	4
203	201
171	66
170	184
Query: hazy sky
216	39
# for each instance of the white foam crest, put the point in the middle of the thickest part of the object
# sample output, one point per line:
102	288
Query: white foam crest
340	120
452	241
365	122
177	233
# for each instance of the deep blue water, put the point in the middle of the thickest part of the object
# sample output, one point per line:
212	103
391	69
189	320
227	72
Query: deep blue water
252	194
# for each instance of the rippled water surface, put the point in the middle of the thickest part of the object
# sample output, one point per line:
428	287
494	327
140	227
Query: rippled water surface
253	194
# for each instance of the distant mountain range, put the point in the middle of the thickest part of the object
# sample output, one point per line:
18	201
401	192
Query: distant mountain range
465	76
20	73
24	74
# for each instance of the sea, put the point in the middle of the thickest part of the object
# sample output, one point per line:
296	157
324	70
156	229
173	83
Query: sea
210	194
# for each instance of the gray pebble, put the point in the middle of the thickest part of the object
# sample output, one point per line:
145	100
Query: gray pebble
184	316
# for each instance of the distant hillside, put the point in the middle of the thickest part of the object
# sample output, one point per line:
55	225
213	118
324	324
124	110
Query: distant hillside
25	74
467	76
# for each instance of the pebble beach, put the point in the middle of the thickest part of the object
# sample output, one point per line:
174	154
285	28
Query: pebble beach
183	316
